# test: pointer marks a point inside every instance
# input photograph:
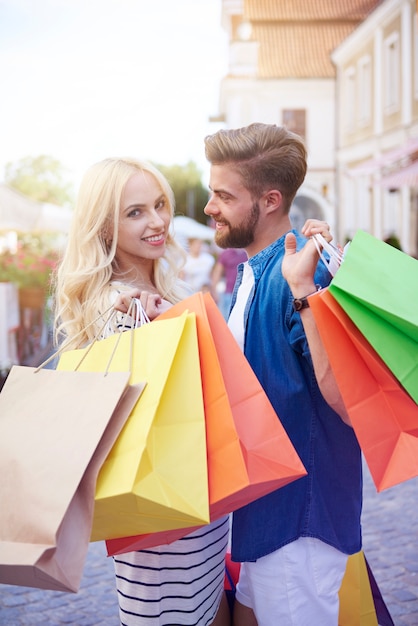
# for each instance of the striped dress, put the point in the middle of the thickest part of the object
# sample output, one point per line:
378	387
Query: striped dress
178	584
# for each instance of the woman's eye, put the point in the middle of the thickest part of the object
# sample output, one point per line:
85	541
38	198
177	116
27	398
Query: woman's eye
134	213
160	205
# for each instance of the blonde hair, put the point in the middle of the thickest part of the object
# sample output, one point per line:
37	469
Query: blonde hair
82	287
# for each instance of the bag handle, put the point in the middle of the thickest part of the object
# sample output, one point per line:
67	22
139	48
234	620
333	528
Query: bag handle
336	253
230	579
59	350
140	318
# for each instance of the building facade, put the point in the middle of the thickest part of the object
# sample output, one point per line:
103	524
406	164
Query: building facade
377	126
280	71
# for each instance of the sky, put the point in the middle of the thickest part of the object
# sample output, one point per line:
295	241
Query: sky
83	80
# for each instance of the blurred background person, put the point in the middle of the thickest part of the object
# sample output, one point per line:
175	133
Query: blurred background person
197	270
223	277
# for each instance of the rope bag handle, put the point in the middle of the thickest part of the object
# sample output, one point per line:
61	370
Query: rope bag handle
140	318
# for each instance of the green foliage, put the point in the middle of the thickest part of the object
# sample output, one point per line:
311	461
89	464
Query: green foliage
41	178
189	191
394	241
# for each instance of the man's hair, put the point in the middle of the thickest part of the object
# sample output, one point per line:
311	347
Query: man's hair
265	156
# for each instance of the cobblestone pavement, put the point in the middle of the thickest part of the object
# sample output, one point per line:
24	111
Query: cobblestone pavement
390	543
390	538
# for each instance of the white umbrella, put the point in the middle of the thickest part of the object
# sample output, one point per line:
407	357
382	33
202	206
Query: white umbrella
187	228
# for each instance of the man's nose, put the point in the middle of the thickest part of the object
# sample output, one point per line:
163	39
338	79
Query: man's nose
210	207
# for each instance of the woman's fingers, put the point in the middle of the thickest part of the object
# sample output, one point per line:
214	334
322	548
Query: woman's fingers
151	303
313	227
124	300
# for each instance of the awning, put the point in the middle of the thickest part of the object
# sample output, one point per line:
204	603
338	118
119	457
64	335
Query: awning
385	160
18	212
407	176
188	228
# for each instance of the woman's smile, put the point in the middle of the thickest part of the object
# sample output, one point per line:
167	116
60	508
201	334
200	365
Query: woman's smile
155	240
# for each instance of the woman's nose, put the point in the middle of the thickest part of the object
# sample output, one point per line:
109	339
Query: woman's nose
156	220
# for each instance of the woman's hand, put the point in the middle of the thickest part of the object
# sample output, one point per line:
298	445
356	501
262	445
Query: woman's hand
299	267
313	227
152	303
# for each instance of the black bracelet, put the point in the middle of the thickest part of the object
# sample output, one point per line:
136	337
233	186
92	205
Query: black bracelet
303	303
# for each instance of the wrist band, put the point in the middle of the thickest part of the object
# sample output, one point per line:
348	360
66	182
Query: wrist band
303	303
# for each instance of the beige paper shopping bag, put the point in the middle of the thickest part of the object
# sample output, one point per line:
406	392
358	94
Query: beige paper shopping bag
56	429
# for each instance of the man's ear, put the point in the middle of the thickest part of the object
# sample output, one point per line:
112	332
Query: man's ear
272	200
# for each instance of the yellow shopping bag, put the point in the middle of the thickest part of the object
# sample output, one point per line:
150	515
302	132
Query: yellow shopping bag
356	599
155	477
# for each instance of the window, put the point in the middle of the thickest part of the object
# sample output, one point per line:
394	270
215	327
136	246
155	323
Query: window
364	91
295	120
349	99
391	73
415	59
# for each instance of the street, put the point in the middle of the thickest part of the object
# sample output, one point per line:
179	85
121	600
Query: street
390	541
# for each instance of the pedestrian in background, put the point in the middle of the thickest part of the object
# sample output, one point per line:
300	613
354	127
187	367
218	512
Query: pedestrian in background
224	275
198	267
120	247
294	542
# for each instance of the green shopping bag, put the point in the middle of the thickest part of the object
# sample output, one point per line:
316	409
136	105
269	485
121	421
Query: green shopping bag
377	286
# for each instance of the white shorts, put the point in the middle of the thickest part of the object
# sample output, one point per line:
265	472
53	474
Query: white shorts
297	585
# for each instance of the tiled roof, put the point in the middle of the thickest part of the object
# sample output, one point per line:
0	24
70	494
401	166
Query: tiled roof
300	50
296	10
296	37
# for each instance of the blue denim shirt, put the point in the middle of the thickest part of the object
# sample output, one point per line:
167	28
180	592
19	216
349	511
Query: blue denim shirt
326	503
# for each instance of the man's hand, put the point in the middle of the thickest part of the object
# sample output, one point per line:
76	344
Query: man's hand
299	267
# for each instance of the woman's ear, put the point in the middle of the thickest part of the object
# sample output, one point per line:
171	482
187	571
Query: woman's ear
107	234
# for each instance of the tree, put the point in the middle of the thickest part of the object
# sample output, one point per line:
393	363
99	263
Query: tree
186	182
41	178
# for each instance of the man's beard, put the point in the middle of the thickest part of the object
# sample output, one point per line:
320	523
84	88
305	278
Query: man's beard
239	236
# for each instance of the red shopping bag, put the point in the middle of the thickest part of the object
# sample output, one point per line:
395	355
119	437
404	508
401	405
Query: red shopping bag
383	415
249	452
232	570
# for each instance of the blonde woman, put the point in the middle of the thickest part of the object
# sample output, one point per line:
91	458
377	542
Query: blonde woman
120	246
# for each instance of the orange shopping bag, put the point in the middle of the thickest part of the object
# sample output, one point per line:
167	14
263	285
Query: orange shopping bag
249	452
383	415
